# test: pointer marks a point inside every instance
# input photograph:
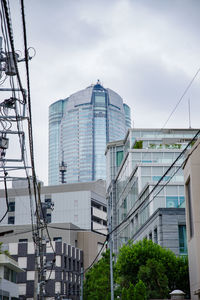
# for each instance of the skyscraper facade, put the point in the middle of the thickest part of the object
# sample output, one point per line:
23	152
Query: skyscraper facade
80	129
56	111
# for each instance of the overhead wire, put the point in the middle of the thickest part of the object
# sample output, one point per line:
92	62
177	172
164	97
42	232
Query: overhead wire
181	98
156	185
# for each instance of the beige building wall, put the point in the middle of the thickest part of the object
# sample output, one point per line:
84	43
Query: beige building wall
91	243
88	241
192	192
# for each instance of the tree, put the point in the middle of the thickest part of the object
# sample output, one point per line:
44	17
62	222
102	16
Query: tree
140	291
153	274
149	262
124	294
130	292
97	279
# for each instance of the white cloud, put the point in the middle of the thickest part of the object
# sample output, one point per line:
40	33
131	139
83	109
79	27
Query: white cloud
147	51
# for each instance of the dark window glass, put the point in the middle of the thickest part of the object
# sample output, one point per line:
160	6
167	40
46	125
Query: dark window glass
6	273
182	240
119	157
23	240
57	239
13	276
65	262
191	228
155	235
11	206
48	218
11	220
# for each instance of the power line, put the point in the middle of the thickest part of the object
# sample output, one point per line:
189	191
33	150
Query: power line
157	184
181	98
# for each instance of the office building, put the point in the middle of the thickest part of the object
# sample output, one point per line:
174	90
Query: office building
135	166
192	192
80	126
56	111
9	270
74	250
83	204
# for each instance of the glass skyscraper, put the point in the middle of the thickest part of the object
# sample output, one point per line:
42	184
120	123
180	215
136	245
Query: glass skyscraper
79	129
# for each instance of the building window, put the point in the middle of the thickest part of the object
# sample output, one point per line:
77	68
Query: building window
182	239
6	273
57	239
48	218
150	236
11	206
171	201
119	157
11	220
189	198
155	236
23	240
10	275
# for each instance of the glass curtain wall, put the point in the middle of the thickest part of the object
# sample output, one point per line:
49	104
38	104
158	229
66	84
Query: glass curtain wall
56	111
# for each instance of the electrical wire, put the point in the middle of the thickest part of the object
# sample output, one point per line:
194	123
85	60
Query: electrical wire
182	96
157	184
100	251
6	195
10	35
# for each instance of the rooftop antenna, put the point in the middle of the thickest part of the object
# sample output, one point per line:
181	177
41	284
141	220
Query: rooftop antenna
63	169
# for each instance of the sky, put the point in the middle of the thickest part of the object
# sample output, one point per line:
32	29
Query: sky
147	51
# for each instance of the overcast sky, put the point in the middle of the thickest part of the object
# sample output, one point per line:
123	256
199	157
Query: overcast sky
146	51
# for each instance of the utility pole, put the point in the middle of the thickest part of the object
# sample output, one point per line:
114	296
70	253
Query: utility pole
110	247
81	296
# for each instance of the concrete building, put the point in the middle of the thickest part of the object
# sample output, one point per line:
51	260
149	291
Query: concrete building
9	269
80	126
192	191
135	166
73	249
83	204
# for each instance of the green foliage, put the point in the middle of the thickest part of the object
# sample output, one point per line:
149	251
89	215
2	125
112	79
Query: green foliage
124	294
130	292
6	252
97	281
143	270
153	274
135	262
138	145
140	292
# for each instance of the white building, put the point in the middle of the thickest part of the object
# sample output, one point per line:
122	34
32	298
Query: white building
134	168
83	204
8	273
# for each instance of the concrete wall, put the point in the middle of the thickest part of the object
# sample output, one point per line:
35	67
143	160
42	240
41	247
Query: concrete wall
166	222
192	175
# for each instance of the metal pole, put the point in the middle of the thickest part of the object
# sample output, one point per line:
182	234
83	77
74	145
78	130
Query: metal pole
110	247
81	297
